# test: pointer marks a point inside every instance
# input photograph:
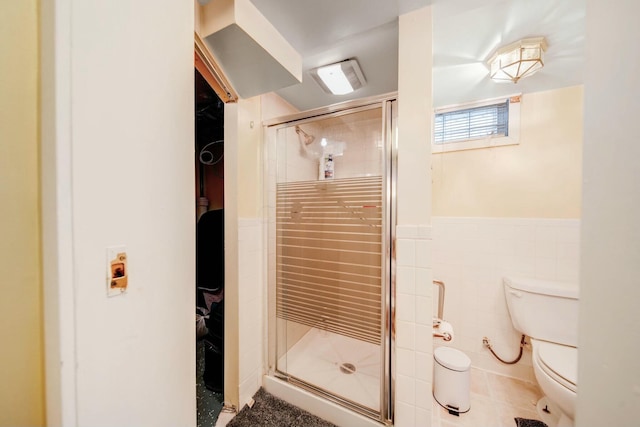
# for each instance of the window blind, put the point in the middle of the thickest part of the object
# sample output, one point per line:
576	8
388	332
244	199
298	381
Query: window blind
472	123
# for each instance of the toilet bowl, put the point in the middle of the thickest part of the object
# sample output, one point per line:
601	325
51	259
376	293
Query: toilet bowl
555	367
547	312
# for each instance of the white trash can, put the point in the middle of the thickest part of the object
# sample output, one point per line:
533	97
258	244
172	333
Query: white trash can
451	379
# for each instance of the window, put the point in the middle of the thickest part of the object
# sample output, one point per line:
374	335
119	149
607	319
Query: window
485	124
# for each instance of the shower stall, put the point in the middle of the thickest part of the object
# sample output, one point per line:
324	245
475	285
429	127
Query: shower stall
331	209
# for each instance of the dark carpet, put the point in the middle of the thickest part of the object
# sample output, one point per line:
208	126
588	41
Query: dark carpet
209	403
269	411
523	422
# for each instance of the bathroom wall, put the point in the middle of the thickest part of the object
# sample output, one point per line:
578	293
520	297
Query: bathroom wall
357	139
608	340
250	313
274	106
413	345
21	353
244	228
250	248
539	178
472	255
508	210
295	163
119	170
250	141
360	135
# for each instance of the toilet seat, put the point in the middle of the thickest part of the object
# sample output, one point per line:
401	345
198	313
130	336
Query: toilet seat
560	362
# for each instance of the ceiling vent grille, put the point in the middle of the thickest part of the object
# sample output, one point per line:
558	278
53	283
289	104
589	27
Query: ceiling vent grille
339	78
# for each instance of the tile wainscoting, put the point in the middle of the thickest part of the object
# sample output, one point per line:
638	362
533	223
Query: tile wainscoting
414	347
250	292
472	255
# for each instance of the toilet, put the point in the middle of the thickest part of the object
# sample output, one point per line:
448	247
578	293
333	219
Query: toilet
547	311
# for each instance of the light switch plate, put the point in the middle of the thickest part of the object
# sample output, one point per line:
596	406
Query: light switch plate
117	270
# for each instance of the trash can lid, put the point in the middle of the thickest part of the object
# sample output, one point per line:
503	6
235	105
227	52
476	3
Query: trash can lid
452	359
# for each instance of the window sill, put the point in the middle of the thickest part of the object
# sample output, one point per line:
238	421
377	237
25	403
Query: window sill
473	144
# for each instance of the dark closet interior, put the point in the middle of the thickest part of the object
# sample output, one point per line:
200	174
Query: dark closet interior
209	195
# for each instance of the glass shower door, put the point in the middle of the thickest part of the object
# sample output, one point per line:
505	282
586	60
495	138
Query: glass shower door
331	256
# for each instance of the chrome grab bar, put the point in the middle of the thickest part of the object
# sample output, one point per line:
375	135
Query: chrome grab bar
440	284
437	321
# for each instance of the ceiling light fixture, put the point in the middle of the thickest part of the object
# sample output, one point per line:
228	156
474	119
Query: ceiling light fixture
517	60
340	78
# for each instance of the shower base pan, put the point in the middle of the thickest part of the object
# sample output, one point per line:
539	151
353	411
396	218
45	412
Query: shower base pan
340	365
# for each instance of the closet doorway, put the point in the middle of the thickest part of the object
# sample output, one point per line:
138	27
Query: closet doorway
209	199
211	91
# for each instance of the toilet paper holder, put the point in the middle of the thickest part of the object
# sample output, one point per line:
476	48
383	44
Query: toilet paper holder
442	329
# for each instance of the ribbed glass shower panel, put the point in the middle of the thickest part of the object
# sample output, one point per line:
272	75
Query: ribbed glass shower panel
329	250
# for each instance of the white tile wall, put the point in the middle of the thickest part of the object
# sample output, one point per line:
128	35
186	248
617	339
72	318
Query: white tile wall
250	259
414	345
361	153
471	255
294	163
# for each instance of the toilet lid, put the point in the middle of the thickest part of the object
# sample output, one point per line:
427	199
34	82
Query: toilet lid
561	360
452	359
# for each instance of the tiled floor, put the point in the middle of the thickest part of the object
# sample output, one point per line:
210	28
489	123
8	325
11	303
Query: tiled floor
495	401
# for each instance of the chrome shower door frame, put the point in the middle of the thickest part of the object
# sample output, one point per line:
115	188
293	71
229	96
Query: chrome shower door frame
388	104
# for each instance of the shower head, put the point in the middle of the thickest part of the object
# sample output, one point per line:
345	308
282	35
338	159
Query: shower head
306	138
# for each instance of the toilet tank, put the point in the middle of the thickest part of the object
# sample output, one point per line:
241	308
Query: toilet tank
543	309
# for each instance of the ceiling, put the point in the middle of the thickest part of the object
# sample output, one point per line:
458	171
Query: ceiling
465	33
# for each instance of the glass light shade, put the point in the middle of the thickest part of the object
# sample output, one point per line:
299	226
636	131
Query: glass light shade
517	60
